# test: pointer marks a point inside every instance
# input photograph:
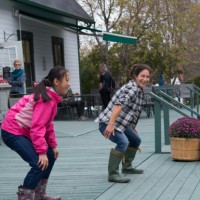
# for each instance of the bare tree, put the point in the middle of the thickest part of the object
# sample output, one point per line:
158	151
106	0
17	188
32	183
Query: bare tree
106	14
167	32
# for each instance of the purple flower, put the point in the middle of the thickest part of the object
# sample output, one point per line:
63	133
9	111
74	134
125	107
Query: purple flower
185	127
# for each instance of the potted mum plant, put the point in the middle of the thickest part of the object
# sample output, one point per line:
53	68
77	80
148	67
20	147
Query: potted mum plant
185	139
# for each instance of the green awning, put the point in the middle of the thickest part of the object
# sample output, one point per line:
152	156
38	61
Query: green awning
64	8
113	37
55	13
59	22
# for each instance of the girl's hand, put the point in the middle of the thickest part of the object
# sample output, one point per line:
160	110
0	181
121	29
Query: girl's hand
43	161
109	130
56	152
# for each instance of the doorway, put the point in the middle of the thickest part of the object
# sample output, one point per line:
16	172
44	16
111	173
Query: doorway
58	51
28	52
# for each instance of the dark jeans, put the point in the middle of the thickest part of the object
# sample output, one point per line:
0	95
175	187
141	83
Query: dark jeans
123	139
105	97
24	147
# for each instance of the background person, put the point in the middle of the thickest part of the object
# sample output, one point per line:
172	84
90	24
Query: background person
118	121
28	130
106	83
17	79
177	80
69	100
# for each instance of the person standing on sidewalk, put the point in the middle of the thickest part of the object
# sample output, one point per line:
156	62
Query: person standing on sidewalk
118	121
28	130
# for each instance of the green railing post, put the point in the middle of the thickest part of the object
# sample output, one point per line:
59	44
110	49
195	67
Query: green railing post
197	89
191	102
196	94
166	123
157	110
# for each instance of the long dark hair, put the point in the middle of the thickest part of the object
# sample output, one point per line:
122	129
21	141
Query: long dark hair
137	68
56	72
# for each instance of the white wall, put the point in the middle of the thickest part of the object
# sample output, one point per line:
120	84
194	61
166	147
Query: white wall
42	33
8	22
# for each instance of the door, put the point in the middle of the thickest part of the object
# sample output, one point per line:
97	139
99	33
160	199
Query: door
58	51
27	46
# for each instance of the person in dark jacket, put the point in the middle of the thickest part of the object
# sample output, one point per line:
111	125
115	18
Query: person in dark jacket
17	79
106	82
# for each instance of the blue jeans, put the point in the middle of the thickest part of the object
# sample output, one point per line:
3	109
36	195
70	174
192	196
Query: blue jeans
24	147
123	139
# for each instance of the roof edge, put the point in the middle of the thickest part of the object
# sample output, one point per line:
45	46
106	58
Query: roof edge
54	11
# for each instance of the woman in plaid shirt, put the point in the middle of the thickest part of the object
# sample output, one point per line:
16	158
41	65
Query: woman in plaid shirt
118	121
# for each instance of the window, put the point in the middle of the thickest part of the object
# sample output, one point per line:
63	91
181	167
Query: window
58	51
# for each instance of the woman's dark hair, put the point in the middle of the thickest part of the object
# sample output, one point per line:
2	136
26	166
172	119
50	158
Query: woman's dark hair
56	72
137	68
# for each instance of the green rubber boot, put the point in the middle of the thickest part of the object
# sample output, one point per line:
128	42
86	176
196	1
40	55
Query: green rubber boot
127	165
113	167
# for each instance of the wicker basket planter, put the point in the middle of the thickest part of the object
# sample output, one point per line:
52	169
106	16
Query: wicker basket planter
186	149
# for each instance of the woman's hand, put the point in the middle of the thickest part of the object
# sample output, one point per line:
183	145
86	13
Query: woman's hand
43	161
110	129
55	152
135	130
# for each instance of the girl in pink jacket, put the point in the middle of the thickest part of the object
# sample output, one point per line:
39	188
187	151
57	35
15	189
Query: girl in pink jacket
28	129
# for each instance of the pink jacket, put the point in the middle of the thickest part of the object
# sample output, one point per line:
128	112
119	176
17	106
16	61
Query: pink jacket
34	120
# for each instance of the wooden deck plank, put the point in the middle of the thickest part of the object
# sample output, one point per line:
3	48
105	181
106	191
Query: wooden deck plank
196	193
188	188
175	186
80	173
143	183
164	181
150	165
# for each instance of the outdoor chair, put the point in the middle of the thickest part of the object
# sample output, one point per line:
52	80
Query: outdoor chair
97	102
185	93
148	105
65	112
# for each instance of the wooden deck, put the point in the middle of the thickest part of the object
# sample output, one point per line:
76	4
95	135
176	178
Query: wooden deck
80	173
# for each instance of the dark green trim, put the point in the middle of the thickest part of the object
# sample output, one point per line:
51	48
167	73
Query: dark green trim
113	37
157	124
54	10
65	24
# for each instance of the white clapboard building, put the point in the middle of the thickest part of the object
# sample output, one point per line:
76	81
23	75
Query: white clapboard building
43	34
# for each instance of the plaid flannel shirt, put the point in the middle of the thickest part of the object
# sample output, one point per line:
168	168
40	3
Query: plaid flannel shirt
131	98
